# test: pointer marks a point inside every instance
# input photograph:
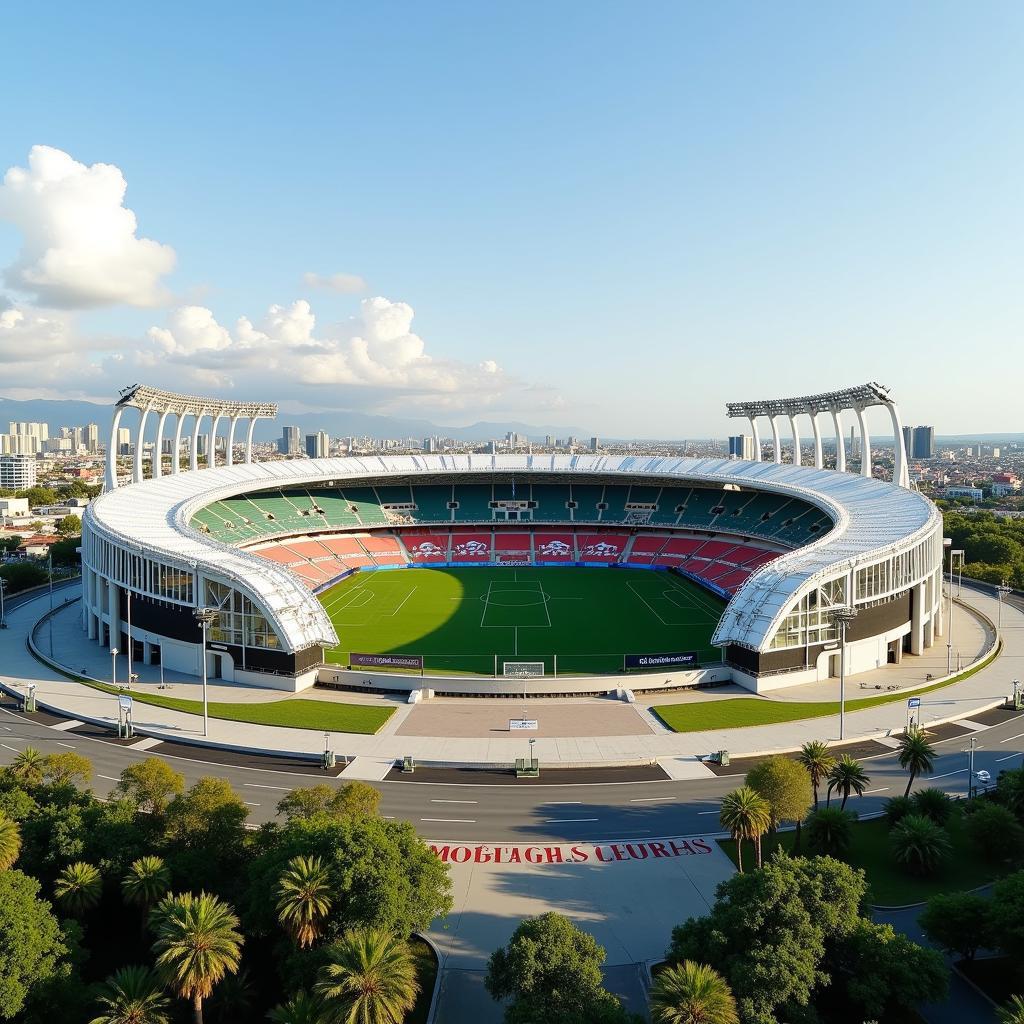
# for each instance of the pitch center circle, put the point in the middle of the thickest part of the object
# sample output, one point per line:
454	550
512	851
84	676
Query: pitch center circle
514	599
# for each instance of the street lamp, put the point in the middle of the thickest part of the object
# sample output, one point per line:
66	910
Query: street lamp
3	587
969	751
205	616
113	667
842	617
1001	591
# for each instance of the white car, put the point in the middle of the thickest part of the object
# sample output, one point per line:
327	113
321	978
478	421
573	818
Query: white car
983	777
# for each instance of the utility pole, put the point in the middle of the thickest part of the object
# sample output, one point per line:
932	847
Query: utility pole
969	751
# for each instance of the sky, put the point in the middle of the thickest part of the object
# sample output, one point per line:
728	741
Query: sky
613	217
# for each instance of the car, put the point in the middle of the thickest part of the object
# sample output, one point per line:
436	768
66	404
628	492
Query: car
983	777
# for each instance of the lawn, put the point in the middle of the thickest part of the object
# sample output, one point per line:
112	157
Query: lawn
737	712
890	884
296	713
471	620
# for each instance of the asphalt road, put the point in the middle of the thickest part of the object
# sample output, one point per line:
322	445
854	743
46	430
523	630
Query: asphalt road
520	813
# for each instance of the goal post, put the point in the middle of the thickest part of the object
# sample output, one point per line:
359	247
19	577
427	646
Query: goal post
522	669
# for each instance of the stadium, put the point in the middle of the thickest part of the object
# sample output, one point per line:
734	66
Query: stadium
502	574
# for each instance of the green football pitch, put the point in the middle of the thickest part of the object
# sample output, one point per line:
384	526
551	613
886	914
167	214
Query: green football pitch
470	620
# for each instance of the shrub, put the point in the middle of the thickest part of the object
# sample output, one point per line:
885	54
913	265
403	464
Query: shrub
933	803
995	831
897	808
830	831
919	844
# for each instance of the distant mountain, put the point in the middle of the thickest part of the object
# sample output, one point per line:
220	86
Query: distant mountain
339	423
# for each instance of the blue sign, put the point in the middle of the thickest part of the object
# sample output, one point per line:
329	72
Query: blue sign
914	702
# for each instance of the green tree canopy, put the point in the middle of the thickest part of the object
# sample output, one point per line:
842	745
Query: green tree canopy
785	784
150	784
691	993
958	922
69	526
355	799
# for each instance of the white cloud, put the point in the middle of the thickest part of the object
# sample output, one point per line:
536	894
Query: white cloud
28	334
345	284
79	244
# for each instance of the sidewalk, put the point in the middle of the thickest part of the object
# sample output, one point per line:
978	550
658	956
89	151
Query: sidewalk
18	667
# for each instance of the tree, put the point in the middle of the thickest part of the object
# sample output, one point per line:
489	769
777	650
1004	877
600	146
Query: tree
958	922
817	762
147	882
132	995
150	784
197	943
302	1008
369	977
303	899
10	841
1010	790
933	803
994	830
1012	1012
915	755
551	972
69	526
22	575
356	799
67	769
692	993
885	971
919	844
896	808
768	931
747	815
847	776
28	766
39	495
33	949
787	788
65	552
78	888
830	831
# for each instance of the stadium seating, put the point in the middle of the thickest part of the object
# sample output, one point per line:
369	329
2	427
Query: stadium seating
471	547
553	547
426	547
601	547
551	503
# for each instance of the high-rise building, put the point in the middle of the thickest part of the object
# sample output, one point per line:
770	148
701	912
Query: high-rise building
291	441
430	445
124	441
741	446
908	441
92	438
549	441
595	443
924	443
317	445
17	471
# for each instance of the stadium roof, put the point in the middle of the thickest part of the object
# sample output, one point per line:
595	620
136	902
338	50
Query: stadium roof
872	520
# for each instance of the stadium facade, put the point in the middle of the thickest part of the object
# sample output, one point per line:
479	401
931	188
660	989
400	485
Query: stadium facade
784	544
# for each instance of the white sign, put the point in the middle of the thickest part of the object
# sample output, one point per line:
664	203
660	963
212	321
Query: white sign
124	703
522	723
914	702
523	669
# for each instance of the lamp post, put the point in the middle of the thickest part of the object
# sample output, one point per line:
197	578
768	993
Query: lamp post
842	617
113	667
49	618
1001	591
131	642
205	616
3	587
969	751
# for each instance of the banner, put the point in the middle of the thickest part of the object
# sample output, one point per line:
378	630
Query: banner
386	661
682	659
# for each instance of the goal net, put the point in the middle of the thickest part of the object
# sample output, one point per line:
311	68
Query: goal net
522	669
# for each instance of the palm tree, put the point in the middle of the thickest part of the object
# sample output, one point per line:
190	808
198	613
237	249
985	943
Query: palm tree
830	831
10	841
692	993
916	755
302	1008
78	888
747	815
816	759
29	766
147	882
369	978
919	844
1012	1012
303	899
132	995
847	776
197	944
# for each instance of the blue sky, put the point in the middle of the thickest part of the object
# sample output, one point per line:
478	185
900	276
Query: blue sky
637	211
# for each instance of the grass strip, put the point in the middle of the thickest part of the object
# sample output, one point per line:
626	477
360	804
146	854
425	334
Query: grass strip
738	712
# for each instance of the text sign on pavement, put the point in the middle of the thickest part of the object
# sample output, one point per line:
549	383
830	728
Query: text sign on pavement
579	853
515	724
914	702
124	703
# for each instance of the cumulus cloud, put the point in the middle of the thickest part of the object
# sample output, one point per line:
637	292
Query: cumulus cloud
80	249
345	284
28	334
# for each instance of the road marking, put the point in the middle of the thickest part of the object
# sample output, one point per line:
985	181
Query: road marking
151	741
947	774
999	760
560	803
454	801
707	812
453	821
71	723
1008	738
251	804
15	749
7	728
109	778
650	799
884	789
565	821
70	746
256	785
